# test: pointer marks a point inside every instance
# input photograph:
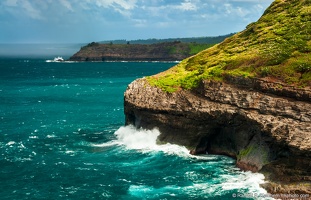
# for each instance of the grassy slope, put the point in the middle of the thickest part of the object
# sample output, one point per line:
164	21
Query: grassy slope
278	45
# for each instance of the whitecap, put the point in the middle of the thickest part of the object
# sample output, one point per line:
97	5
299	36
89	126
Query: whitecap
22	146
89	164
69	152
125	180
143	191
106	194
61	163
248	180
23	159
51	136
107	144
10	143
83	169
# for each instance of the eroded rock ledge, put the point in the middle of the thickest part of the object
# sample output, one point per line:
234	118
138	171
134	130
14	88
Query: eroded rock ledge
264	132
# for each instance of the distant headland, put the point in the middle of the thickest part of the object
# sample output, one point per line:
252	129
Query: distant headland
174	49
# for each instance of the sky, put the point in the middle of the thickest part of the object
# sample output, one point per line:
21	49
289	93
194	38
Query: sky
84	21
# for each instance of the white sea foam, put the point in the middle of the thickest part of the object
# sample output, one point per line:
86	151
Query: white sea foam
69	152
55	61
146	141
243	184
141	191
108	144
248	180
137	139
10	143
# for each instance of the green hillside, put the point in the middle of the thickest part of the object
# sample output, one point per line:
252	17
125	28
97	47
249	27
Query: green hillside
276	47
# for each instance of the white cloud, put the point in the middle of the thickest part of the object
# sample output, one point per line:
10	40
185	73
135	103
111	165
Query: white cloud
131	18
17	7
186	6
30	10
11	2
163	24
66	4
127	5
124	7
140	23
236	10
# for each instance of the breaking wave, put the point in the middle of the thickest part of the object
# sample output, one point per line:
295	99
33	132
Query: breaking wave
224	178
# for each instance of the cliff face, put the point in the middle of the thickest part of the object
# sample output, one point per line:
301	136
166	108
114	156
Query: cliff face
264	132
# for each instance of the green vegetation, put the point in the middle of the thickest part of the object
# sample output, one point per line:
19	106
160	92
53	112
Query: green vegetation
245	152
92	44
200	40
196	48
277	46
254	150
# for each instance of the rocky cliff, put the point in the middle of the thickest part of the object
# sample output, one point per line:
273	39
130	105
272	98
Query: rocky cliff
248	98
263	131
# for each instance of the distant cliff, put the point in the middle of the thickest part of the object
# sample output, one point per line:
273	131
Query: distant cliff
248	97
166	51
199	40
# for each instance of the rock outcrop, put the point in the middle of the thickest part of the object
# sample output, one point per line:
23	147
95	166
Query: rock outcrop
238	118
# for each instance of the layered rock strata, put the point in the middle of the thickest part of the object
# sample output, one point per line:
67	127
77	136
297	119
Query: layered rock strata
265	126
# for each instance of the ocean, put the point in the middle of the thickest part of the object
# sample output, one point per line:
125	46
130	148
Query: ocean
62	136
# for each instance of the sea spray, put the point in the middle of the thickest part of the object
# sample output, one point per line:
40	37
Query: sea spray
146	141
137	139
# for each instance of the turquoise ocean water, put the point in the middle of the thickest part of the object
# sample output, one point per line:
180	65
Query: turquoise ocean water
62	136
